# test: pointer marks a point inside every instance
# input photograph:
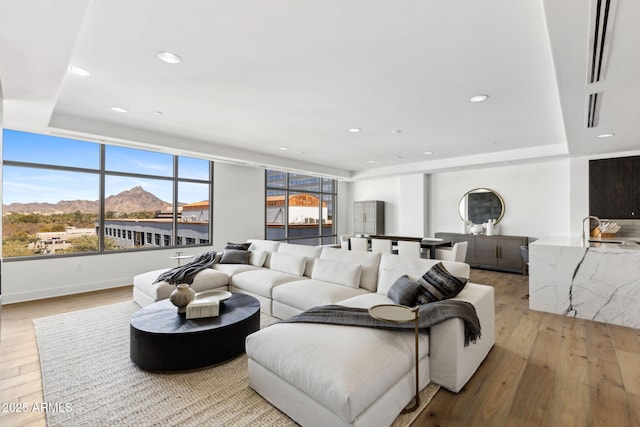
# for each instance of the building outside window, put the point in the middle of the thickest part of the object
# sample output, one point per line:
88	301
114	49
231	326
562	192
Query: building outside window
300	208
63	196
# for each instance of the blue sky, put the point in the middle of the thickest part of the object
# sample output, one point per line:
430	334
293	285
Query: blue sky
24	185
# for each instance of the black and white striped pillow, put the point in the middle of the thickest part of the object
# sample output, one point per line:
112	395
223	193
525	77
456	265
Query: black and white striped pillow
438	284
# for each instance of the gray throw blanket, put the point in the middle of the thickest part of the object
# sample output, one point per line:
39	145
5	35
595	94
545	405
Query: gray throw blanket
186	273
429	314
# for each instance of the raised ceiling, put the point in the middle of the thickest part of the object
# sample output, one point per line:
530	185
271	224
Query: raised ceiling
257	77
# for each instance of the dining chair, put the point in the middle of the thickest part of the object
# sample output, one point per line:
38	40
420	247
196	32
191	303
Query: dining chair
409	248
381	245
344	240
359	244
456	253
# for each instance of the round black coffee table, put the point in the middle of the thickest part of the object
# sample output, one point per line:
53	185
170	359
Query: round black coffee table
163	340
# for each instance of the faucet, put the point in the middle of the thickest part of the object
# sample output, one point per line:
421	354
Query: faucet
584	239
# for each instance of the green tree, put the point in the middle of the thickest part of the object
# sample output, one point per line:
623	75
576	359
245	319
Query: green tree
89	244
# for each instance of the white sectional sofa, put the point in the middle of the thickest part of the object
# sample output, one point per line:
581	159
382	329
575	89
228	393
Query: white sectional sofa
334	375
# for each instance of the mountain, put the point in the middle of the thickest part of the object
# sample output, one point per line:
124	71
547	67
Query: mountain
133	200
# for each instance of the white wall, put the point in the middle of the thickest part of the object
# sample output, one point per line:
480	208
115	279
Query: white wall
536	197
238	214
238	207
405	200
344	209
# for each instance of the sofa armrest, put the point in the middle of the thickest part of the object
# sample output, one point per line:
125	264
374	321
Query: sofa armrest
451	364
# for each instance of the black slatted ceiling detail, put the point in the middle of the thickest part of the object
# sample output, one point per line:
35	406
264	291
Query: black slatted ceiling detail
593	107
600	28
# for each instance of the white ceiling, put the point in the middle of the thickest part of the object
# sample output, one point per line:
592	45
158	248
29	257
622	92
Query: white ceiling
257	76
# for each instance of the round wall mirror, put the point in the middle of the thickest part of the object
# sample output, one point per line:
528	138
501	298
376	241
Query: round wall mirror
480	205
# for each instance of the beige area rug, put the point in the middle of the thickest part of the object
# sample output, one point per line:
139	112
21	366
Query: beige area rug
89	380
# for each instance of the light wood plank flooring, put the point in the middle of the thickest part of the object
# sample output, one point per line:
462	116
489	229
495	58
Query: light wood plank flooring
20	380
545	369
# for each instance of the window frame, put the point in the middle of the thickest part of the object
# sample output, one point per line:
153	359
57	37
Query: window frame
102	174
288	190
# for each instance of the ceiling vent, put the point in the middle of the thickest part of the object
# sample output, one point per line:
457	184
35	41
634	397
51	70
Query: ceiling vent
600	33
593	109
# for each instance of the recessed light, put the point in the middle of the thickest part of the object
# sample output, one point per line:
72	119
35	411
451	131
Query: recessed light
284	148
606	135
169	57
159	113
428	152
78	71
396	131
119	110
479	98
355	130
371	161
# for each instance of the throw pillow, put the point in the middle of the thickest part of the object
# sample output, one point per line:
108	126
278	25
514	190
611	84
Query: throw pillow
258	258
288	263
438	284
235	256
338	272
404	291
386	278
238	246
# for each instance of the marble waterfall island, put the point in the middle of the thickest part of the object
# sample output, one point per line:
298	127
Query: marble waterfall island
599	282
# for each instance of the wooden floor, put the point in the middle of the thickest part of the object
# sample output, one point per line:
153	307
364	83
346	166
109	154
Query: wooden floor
20	380
544	370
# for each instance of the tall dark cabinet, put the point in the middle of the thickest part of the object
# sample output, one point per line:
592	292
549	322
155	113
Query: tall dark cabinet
614	188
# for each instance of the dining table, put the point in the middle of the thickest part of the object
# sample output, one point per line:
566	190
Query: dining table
430	243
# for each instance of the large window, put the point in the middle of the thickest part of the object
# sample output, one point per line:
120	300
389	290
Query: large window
300	208
64	196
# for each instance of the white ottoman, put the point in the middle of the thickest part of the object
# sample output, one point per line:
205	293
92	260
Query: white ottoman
146	292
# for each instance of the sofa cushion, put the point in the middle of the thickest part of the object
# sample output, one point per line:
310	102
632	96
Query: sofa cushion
340	273
205	280
238	246
310	252
387	277
366	300
357	367
288	263
369	262
438	284
235	256
404	291
264	245
233	269
257	258
262	281
306	294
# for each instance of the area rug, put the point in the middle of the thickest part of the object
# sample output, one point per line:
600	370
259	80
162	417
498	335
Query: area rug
88	379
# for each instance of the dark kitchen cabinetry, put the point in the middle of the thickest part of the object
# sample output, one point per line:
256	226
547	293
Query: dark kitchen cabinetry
492	252
614	188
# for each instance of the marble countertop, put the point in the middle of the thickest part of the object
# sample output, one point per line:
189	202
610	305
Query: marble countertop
594	243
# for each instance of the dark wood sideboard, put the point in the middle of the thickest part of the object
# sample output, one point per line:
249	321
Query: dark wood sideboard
492	252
